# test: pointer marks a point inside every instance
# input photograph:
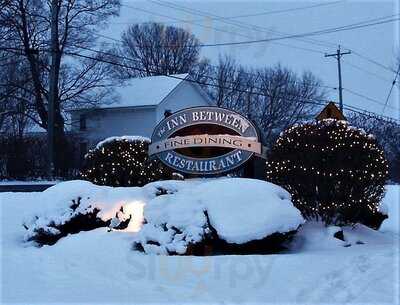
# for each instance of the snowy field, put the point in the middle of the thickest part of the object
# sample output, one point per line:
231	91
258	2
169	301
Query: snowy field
100	267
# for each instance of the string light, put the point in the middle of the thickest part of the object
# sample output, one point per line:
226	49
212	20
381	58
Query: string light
335	172
122	162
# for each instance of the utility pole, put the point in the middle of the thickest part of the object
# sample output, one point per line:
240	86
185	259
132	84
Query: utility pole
53	84
338	55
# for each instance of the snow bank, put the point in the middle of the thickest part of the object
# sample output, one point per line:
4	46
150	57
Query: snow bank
316	236
390	206
55	206
240	211
122	138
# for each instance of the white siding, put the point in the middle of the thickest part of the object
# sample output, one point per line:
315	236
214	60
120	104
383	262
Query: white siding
184	96
104	123
108	122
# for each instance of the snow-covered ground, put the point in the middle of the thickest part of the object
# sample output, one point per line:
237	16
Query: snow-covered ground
100	267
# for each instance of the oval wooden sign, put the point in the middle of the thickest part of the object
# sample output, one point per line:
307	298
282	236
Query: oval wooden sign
204	140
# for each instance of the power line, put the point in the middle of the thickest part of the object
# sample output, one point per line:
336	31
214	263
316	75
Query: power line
260	14
224	31
282	11
372	114
318	102
306	49
215	67
250	26
70	53
391	89
212	66
286	45
209	77
210	27
315	33
182	78
362	24
138	61
367	71
207	84
239	24
373	61
266	30
367	98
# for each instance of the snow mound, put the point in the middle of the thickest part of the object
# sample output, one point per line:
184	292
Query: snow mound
122	138
390	206
65	201
238	210
176	214
248	209
316	236
107	199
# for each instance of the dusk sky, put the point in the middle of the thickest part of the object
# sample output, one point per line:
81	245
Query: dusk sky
366	84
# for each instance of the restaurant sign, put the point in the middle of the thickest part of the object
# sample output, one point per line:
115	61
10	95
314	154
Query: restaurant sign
204	140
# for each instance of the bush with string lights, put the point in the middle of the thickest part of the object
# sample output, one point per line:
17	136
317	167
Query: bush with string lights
335	172
122	161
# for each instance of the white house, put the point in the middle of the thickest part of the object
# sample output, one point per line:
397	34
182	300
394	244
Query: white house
139	106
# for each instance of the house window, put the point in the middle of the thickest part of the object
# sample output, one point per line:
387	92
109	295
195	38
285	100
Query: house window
82	122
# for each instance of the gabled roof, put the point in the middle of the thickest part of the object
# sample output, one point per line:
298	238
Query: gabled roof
330	112
146	91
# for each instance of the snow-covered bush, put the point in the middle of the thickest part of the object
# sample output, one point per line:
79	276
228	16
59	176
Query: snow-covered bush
217	216
75	206
200	216
122	161
79	219
335	172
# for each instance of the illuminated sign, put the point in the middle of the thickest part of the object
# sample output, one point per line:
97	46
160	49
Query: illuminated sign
204	140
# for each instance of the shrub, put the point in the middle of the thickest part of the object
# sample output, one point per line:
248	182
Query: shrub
26	158
335	172
197	218
47	231
122	161
167	239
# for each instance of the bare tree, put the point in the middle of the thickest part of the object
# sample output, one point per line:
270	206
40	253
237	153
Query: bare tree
156	49
16	111
274	98
388	136
26	26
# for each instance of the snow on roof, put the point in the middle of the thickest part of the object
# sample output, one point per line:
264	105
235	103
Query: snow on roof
145	91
